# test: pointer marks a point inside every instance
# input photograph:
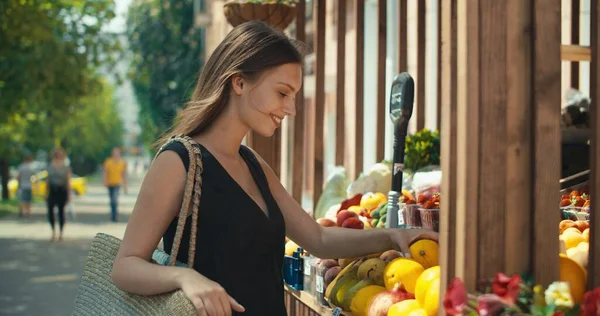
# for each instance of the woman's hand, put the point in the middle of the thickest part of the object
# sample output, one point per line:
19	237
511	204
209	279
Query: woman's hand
402	238
209	298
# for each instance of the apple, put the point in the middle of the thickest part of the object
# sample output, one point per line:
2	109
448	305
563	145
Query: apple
326	222
344	215
353	222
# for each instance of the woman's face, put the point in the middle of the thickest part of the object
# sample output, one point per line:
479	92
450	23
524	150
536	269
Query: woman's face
268	100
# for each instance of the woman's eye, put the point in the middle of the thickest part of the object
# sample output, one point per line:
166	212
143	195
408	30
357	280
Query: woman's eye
283	94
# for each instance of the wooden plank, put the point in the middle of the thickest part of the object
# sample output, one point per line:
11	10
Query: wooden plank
492	129
447	83
575	26
594	260
421	53
381	84
438	110
340	99
546	133
402	35
519	222
575	53
467	164
299	119
319	46
359	24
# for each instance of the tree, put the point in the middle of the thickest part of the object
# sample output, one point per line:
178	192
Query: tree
167	55
48	59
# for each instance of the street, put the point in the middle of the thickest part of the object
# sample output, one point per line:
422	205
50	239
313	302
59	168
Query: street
38	277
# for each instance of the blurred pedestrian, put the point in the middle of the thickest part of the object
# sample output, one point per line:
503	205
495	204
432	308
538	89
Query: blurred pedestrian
59	190
24	175
115	176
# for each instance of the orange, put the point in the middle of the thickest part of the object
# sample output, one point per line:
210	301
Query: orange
425	252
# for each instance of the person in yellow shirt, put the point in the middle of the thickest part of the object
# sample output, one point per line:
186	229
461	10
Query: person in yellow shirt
115	176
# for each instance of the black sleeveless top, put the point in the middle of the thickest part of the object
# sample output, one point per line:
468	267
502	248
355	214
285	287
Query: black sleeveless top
237	245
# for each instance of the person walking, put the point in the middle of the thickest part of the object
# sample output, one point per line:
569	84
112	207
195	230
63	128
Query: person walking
249	83
58	190
25	185
115	176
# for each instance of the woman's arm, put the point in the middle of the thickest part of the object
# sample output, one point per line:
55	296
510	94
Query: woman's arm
334	242
157	204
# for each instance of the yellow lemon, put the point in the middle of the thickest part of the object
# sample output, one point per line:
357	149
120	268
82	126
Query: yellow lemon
424	282
403	271
418	312
403	308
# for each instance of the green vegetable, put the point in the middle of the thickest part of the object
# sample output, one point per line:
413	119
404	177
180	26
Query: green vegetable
422	149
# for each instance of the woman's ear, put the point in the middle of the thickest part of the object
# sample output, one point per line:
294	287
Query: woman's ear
237	83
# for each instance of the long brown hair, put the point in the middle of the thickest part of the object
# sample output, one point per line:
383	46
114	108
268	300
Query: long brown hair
249	49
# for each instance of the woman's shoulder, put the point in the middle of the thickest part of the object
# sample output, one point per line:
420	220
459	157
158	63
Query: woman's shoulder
178	148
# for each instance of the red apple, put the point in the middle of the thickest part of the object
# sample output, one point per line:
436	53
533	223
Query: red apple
326	222
353	222
344	215
383	301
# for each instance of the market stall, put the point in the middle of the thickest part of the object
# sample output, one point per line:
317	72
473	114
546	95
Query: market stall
513	211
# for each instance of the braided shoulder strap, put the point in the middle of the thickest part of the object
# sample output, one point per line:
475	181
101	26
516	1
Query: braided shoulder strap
191	196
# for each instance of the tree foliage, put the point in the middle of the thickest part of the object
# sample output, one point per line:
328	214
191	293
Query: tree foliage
49	57
167	55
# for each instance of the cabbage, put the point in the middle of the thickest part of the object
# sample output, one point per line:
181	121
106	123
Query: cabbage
334	191
377	179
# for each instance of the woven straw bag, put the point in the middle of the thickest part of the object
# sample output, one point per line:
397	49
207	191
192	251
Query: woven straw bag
98	295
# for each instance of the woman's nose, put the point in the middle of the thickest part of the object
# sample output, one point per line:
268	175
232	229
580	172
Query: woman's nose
290	108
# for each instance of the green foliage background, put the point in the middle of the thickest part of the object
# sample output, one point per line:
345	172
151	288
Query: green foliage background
167	55
51	93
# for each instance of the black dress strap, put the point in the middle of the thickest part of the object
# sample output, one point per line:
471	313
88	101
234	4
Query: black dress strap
180	149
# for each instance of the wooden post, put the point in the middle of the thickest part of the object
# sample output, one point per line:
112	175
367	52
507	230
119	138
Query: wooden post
381	84
299	119
594	260
421	52
340	98
546	133
467	142
518	138
448	105
319	45
492	139
359	24
575	26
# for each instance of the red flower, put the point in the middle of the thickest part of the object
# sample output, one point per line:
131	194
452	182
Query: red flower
455	299
591	303
489	304
558	313
507	288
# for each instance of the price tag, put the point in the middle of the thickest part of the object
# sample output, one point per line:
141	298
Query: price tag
319	284
401	217
336	312
306	266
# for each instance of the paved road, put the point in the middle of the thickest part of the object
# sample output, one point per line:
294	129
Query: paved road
41	278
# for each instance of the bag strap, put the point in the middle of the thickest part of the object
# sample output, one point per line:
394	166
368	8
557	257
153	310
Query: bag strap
193	189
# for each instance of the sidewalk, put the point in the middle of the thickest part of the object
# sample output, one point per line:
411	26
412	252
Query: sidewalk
41	278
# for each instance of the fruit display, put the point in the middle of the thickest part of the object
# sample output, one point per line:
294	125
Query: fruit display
575	205
575	245
430	212
374	284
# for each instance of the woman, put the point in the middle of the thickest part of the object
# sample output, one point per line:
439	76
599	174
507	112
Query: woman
58	184
249	83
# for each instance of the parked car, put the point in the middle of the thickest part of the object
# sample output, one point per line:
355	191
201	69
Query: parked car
78	184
